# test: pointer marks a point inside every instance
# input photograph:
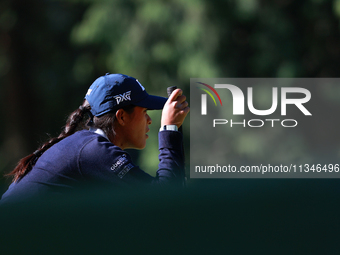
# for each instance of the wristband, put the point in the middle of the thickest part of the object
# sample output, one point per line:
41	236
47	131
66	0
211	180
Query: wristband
169	127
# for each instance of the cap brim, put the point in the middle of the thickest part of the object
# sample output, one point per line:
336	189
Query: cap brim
152	102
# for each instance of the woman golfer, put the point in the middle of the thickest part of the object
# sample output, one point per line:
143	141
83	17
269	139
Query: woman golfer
115	112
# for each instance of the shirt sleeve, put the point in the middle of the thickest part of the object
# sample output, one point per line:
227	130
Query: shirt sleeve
101	161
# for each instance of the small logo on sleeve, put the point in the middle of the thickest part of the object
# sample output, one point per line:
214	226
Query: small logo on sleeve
122	166
119	163
125	170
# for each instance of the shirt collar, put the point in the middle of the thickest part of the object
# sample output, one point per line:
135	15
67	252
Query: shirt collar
99	132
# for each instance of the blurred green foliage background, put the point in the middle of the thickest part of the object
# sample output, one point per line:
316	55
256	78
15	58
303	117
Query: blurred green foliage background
51	51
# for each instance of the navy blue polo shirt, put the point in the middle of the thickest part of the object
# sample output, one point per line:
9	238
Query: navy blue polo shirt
86	158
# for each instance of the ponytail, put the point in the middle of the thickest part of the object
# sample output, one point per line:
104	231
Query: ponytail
73	124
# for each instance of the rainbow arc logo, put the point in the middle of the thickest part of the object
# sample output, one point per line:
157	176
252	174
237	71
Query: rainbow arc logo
204	97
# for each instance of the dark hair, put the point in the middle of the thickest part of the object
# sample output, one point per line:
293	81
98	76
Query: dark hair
106	122
75	122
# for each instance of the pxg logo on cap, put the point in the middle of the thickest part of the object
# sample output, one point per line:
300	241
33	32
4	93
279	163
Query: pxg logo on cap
120	98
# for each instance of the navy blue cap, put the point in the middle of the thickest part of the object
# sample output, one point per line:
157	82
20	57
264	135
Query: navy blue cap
114	91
